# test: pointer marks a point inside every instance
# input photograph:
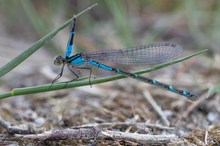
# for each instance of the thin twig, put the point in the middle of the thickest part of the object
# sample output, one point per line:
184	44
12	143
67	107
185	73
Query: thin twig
96	134
193	106
86	133
111	124
137	138
156	107
206	137
16	129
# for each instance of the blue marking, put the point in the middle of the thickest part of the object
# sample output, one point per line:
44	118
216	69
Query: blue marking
69	50
99	65
78	61
70	45
155	82
172	88
105	67
185	93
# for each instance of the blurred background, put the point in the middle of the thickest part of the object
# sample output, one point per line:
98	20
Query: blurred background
114	24
111	25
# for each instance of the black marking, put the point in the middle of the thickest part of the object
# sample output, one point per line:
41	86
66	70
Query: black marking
73	31
74	57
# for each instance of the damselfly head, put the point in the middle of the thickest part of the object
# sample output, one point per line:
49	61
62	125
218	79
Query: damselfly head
59	60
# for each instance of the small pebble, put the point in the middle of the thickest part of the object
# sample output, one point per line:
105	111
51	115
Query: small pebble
212	116
39	121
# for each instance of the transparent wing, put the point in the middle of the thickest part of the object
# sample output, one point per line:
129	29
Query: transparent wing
147	54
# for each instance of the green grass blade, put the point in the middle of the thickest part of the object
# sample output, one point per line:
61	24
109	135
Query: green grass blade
59	85
121	20
38	23
24	55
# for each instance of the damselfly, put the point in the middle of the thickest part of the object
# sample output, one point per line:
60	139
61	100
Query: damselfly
146	54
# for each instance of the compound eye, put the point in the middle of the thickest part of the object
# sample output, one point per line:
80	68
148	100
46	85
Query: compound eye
58	60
